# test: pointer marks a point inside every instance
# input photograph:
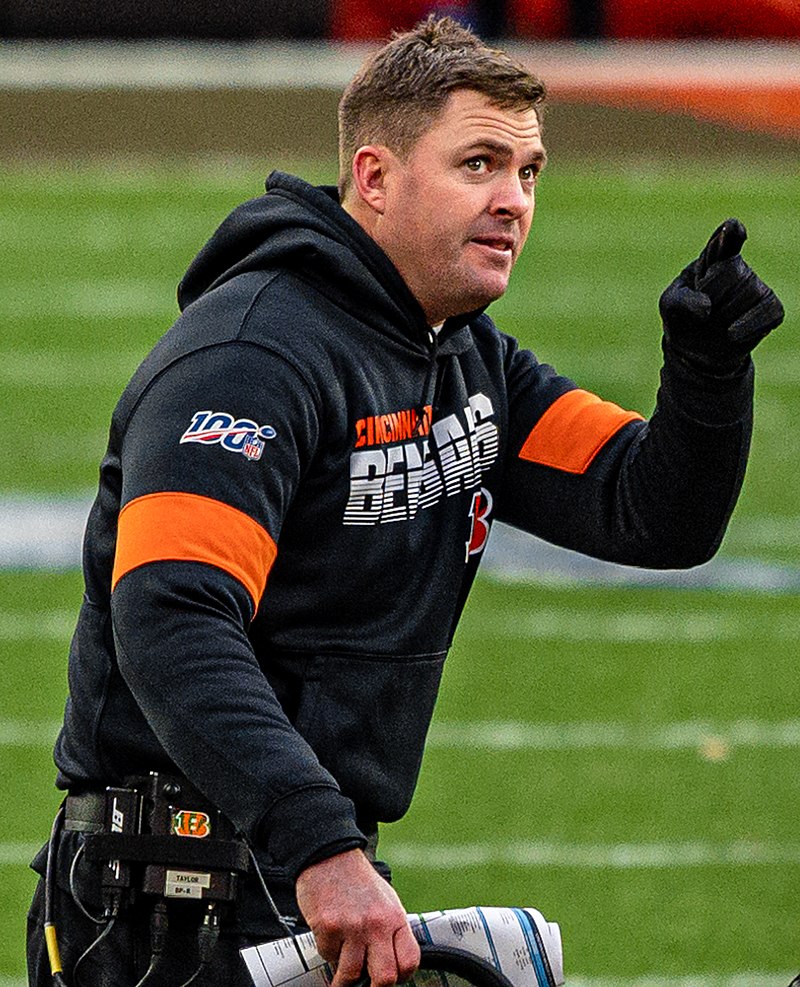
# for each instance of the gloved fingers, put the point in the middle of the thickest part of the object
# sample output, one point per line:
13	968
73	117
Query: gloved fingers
754	325
724	243
681	304
690	275
735	290
718	309
725	279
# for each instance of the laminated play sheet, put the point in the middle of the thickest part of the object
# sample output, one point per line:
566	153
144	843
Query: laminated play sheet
518	942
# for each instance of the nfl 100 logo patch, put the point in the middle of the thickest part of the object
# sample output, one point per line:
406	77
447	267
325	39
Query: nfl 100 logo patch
240	435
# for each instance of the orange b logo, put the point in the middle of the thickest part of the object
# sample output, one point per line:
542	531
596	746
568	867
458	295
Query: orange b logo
188	823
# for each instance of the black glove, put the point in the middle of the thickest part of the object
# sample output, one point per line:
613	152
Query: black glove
718	309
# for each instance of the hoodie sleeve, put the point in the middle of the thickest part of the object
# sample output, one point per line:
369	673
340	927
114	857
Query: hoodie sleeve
211	460
588	475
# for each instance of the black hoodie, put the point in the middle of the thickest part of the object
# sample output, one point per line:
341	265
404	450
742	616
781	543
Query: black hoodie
298	486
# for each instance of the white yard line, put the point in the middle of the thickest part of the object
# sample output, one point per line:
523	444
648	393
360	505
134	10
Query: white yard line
18	854
589	856
43	368
124	298
53	625
515	557
107	299
28	733
41	532
642	627
712	740
541	853
636	627
715	739
746	979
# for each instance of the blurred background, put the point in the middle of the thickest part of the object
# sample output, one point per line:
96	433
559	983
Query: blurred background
615	747
350	20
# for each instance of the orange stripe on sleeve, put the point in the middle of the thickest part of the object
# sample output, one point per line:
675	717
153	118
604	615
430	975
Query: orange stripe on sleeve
185	527
573	430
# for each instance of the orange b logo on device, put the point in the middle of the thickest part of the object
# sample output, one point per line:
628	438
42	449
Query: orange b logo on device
185	822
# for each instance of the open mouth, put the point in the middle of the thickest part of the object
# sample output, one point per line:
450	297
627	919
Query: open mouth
502	245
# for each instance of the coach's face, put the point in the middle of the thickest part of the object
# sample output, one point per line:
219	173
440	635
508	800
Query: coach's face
454	214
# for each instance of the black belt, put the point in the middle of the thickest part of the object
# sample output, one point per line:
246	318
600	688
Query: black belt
85	813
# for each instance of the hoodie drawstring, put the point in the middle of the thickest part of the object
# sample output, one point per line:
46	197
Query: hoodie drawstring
423	425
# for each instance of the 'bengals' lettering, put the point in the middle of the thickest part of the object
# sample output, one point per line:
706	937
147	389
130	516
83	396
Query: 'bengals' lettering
394	483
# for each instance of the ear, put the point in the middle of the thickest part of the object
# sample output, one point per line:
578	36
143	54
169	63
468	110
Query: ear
370	165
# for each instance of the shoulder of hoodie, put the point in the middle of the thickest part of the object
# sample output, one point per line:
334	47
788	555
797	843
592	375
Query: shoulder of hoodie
488	336
281	315
279	311
221	321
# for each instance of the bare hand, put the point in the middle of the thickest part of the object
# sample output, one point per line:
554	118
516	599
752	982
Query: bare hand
358	921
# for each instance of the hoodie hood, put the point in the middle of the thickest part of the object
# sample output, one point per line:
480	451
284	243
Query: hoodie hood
302	228
298	227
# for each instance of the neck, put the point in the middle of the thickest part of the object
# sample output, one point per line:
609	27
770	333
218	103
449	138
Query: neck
370	222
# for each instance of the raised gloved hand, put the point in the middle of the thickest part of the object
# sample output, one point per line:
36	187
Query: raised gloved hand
718	309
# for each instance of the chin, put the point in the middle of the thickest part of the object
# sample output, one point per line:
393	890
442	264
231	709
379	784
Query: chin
489	290
471	292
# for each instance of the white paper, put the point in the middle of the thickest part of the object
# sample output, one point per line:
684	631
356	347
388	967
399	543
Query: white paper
518	942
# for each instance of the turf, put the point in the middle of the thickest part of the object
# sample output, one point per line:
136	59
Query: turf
89	260
622	922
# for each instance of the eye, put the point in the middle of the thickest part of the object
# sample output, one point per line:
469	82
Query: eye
476	165
529	173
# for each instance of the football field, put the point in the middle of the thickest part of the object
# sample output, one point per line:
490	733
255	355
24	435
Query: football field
622	757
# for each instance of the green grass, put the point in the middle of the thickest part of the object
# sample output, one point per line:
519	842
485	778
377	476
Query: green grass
34	689
620	922
89	261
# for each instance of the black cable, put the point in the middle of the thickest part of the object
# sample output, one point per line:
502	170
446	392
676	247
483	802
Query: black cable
207	936
159	926
50	938
101	920
111	921
270	900
194	976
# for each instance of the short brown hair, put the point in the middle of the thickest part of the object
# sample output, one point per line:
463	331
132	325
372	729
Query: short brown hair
402	87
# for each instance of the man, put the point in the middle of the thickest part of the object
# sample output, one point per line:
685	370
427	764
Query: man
299	483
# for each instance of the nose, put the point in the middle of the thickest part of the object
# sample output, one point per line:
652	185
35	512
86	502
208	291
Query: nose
512	200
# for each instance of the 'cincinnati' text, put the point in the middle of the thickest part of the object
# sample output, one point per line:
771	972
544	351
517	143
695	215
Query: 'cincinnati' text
394	427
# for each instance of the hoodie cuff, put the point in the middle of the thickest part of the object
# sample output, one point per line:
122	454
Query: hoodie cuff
705	397
307	826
